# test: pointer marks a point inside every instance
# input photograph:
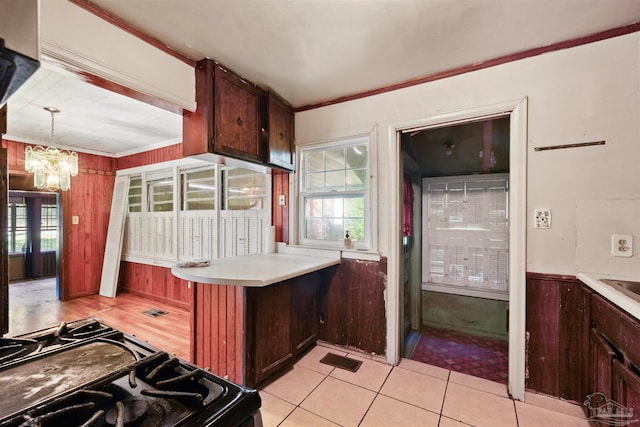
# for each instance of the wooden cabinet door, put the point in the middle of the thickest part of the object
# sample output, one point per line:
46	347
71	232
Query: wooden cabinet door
237	117
601	357
272	336
626	387
280	149
304	308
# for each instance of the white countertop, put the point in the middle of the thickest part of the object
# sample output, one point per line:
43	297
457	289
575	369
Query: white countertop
255	270
622	300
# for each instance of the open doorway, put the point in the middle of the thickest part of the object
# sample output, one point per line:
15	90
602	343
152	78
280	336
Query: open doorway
456	258
33	240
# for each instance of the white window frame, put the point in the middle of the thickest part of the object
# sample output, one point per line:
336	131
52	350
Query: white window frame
297	185
483	235
179	250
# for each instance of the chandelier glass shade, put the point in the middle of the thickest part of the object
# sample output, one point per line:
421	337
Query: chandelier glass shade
52	167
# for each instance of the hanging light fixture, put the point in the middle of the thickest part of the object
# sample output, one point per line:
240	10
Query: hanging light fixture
51	166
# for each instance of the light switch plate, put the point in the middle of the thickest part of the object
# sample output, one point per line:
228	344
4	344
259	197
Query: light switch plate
75	219
622	245
542	218
282	200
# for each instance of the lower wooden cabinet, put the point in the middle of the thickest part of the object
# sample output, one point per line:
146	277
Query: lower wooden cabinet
269	330
601	358
581	344
304	309
281	324
613	356
626	387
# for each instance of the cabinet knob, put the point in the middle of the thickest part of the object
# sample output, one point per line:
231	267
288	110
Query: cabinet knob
239	121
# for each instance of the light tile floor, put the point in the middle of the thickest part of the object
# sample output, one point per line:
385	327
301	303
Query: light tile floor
410	394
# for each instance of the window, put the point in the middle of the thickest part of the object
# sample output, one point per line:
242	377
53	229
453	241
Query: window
49	228
197	219
198	189
160	191
466	226
194	211
135	194
244	189
334	194
17	225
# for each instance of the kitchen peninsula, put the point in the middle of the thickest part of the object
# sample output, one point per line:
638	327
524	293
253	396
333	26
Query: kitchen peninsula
253	315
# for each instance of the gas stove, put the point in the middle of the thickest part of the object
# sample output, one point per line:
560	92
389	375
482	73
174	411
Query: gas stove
86	373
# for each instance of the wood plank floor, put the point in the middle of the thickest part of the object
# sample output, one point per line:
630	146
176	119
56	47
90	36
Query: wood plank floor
169	332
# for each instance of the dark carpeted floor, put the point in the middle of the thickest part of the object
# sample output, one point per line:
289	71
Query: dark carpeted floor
478	356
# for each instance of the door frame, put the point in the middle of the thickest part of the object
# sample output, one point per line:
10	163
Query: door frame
517	112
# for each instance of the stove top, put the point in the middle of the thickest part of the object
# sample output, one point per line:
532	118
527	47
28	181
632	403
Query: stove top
45	340
87	374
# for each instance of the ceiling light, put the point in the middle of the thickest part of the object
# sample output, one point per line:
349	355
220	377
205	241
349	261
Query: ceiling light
448	147
51	166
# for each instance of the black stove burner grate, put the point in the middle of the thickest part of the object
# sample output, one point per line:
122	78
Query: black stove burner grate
153	391
65	334
149	388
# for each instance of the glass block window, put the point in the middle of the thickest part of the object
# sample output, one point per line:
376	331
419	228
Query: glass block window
466	235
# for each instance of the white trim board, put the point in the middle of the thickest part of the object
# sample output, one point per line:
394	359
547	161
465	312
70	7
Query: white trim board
113	248
517	111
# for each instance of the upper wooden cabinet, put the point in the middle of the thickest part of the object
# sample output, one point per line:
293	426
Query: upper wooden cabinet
229	118
280	150
237	119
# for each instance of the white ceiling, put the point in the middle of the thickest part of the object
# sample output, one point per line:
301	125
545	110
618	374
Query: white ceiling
91	119
308	51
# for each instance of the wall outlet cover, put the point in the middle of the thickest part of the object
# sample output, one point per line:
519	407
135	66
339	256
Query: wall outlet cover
622	245
542	218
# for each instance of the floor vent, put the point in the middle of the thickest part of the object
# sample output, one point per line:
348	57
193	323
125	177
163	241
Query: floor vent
155	312
341	362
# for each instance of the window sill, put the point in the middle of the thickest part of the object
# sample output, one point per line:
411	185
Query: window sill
360	254
149	261
466	291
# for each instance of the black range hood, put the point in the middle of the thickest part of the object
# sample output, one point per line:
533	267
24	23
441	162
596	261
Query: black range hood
15	69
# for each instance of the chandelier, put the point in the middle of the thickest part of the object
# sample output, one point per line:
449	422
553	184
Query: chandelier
51	166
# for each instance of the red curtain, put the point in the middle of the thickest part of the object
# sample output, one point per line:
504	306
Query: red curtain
407	223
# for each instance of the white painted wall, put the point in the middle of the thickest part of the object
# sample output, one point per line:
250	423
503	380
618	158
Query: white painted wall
75	36
587	93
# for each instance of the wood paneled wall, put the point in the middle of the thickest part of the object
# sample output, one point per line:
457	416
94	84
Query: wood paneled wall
83	244
217	329
90	200
171	152
352	304
155	283
280	214
556	310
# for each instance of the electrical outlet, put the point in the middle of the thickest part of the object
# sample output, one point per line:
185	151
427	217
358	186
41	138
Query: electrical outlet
542	218
622	245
